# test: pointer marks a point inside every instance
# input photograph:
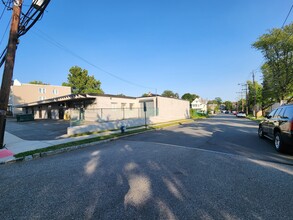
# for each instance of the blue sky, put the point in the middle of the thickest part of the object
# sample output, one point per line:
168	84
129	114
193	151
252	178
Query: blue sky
195	46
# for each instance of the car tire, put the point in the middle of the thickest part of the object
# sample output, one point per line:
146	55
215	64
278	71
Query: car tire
260	132
278	142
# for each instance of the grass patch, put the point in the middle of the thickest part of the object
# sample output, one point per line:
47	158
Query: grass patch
75	143
251	117
163	125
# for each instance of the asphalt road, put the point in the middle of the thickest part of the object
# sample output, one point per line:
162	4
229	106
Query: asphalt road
206	170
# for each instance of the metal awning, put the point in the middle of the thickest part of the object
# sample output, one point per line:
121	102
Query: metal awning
60	99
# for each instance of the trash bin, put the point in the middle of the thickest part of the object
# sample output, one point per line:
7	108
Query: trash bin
24	117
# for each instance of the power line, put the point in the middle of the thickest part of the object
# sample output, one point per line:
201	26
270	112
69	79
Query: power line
288	14
287	17
5	32
62	47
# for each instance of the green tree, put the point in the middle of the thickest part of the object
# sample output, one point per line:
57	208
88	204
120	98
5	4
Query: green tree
170	94
81	82
218	100
189	97
229	105
254	94
38	82
277	49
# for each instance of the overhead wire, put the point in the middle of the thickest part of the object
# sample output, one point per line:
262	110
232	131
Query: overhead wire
282	27
27	20
46	37
5	32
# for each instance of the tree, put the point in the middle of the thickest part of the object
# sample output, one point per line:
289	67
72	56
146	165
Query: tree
189	97
277	49
218	100
254	94
229	105
170	94
38	82
81	82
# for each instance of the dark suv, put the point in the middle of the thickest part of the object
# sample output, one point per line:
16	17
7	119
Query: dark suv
278	126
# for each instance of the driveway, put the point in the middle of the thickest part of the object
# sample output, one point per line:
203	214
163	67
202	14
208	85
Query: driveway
38	129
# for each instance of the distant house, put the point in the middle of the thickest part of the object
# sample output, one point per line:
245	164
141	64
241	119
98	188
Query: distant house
199	105
21	93
212	107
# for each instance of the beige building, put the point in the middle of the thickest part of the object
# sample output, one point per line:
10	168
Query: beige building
22	93
92	112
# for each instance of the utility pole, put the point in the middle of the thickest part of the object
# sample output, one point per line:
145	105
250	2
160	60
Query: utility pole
246	93
254	106
9	66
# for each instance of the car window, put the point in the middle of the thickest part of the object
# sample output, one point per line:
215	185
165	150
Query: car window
279	113
288	114
272	113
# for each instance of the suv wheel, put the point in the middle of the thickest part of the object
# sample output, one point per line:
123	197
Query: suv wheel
279	145
260	132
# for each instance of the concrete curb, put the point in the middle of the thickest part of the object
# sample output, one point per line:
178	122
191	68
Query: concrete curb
76	147
63	150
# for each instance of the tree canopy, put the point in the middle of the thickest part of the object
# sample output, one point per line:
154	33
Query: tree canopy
277	49
38	82
228	105
170	94
254	94
81	82
218	100
189	97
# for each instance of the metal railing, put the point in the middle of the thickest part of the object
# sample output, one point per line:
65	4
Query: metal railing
93	116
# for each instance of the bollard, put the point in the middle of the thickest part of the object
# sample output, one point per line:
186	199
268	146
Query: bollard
122	128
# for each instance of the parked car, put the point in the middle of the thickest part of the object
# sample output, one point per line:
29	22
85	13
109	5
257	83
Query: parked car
241	115
278	126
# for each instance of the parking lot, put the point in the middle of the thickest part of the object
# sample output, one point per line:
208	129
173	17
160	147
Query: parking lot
38	129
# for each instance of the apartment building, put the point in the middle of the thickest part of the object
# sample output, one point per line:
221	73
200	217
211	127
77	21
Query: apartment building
22	93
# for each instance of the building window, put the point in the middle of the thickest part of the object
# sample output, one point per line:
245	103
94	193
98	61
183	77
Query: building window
55	91
42	90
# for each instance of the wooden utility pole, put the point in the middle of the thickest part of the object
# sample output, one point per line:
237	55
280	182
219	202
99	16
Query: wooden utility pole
254	106
8	68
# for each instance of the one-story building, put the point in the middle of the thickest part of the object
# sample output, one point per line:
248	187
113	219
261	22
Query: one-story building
92	112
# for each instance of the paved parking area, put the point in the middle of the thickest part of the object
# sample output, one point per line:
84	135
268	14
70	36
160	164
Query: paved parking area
38	129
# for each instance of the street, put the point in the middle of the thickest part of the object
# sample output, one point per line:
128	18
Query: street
215	168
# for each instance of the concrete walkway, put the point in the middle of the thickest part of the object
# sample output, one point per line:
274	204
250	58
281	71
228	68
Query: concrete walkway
15	145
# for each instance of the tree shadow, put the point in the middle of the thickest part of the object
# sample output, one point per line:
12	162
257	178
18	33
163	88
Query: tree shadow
141	178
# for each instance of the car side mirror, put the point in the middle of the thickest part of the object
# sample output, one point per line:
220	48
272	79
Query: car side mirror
268	116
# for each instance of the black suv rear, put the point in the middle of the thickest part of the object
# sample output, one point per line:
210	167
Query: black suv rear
278	126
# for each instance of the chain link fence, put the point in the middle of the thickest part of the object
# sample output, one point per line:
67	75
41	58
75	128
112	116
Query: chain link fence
92	116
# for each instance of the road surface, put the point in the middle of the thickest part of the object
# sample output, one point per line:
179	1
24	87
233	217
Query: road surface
211	169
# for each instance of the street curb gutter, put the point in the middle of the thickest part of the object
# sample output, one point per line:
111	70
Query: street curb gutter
63	150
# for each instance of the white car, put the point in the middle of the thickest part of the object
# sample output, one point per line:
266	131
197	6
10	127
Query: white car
241	115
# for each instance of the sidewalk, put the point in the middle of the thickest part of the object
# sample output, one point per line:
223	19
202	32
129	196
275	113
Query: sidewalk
15	145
